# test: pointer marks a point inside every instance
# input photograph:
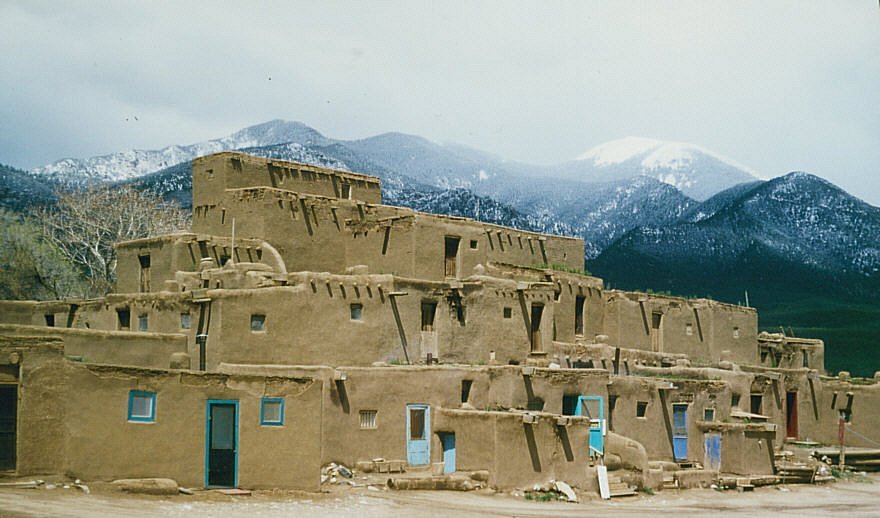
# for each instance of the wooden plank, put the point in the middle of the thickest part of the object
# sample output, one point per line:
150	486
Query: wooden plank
604	490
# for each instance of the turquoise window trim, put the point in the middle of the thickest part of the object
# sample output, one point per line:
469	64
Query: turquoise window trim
263	420
139	418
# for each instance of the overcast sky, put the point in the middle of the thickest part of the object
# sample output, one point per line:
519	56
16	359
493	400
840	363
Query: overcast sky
777	86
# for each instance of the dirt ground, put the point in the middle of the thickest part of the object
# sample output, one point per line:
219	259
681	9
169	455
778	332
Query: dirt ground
840	498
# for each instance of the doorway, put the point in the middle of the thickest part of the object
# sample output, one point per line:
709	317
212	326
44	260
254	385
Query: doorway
535	335
656	332
712	459
447	439
221	455
791	415
679	431
8	424
592	407
451	257
418	443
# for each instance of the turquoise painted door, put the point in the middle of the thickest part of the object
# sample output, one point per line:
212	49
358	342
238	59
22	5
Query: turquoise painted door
679	431
593	407
712	459
221	444
418	440
448	440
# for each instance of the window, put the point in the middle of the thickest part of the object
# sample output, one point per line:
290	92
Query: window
734	399
641	408
756	401
357	311
508	312
346	191
272	411
708	414
258	323
429	309
689	329
473	244
123	318
141	406
224	258
50	319
736	333
143	322
806	358
368	419
185	321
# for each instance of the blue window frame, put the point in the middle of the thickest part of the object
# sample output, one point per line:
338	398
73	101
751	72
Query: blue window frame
141	406
272	411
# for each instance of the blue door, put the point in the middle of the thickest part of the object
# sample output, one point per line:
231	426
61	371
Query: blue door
448	440
712	460
221	444
593	407
418	441
679	431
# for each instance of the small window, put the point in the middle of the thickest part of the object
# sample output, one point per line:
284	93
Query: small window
734	399
689	329
508	312
185	321
368	419
579	315
141	406
258	323
357	311
466	390
756	402
708	414
806	359
224	258
346	191
272	411
123	318
143	322
641	408
473	244
736	333
50	319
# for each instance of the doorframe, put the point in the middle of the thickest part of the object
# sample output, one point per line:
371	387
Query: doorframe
17	386
685	435
208	438
426	430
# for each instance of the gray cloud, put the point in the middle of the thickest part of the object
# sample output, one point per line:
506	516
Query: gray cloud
790	85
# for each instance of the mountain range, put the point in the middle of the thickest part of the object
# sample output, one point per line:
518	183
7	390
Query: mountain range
665	216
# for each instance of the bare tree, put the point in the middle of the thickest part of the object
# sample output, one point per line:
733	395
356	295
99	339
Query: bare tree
85	226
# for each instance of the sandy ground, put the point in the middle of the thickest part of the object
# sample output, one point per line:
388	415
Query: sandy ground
841	498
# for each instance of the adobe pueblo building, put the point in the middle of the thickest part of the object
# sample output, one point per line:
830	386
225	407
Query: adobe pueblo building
302	322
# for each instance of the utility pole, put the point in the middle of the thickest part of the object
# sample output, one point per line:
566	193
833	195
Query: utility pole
841	433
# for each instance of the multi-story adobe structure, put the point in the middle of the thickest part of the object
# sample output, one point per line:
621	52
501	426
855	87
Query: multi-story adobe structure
302	322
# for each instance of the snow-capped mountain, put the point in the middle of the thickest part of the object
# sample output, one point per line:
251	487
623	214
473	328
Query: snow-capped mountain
695	171
799	219
134	163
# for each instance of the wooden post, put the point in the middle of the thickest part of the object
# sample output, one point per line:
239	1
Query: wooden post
841	431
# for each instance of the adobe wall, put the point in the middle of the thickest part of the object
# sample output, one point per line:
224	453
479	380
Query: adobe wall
212	174
832	396
73	420
181	252
323	234
703	329
152	350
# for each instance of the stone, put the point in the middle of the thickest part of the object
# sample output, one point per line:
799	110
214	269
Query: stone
844	376
147	486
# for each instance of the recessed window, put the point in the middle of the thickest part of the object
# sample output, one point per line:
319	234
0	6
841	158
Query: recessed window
143	322
756	403
689	329
185	321
346	191
141	406
641	408
123	318
508	312
368	419
708	414
806	358
357	311
258	322
50	319
579	315
734	399
466	390
473	244
736	332
272	411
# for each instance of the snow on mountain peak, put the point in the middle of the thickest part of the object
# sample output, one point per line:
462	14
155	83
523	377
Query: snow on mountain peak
655	154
